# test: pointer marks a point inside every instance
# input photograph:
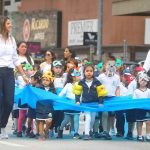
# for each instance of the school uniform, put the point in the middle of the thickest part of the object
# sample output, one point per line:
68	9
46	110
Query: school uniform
141	114
44	109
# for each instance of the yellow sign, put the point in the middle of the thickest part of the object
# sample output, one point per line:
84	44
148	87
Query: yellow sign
39	24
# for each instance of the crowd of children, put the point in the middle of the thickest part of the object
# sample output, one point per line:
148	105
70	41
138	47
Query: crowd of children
84	83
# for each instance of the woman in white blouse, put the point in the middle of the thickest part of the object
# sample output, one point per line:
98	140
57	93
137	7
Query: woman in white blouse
47	64
8	61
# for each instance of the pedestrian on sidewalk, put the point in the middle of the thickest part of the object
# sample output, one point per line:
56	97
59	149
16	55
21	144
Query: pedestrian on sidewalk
8	61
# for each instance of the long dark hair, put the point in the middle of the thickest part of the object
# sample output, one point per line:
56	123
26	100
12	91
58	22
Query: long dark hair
73	54
52	53
3	31
69	76
27	54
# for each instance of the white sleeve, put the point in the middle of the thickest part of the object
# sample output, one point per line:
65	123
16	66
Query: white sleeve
15	57
146	65
64	91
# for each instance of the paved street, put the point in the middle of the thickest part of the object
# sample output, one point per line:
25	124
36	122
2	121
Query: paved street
69	144
14	143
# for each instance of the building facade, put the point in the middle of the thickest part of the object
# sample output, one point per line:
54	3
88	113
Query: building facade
119	33
131	7
11	5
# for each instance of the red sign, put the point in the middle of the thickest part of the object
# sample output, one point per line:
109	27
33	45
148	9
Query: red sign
34	47
26	30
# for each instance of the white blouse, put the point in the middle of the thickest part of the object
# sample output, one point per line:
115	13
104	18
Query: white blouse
45	67
8	52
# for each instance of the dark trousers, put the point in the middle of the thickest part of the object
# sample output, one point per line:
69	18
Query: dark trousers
7	86
58	116
120	121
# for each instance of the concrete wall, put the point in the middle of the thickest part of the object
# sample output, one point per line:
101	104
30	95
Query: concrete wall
130	7
119	28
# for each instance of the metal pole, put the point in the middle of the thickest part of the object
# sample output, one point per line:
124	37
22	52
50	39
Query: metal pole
91	52
126	51
125	55
99	39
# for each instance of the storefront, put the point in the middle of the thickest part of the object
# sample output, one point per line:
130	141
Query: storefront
41	30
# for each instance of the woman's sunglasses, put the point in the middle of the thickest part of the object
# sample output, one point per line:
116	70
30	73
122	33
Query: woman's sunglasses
48	54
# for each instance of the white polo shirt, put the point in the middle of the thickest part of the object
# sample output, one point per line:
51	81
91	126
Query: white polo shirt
111	83
141	94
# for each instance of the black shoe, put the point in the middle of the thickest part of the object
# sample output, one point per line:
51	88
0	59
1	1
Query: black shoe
106	135
37	136
19	134
97	135
31	135
24	128
76	136
119	134
28	132
129	136
60	134
87	137
140	138
67	127
101	129
58	128
91	133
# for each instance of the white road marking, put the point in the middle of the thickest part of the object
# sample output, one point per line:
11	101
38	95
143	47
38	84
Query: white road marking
11	144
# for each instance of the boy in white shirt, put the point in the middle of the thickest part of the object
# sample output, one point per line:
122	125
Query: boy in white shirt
112	82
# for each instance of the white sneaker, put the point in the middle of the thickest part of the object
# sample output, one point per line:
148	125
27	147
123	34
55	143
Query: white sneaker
3	134
148	137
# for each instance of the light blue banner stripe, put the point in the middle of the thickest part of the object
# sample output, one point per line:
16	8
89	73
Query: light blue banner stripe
30	95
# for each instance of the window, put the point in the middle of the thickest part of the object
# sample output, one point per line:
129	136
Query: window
17	0
7	3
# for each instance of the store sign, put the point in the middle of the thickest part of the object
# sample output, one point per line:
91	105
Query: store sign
76	30
90	38
147	31
42	26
